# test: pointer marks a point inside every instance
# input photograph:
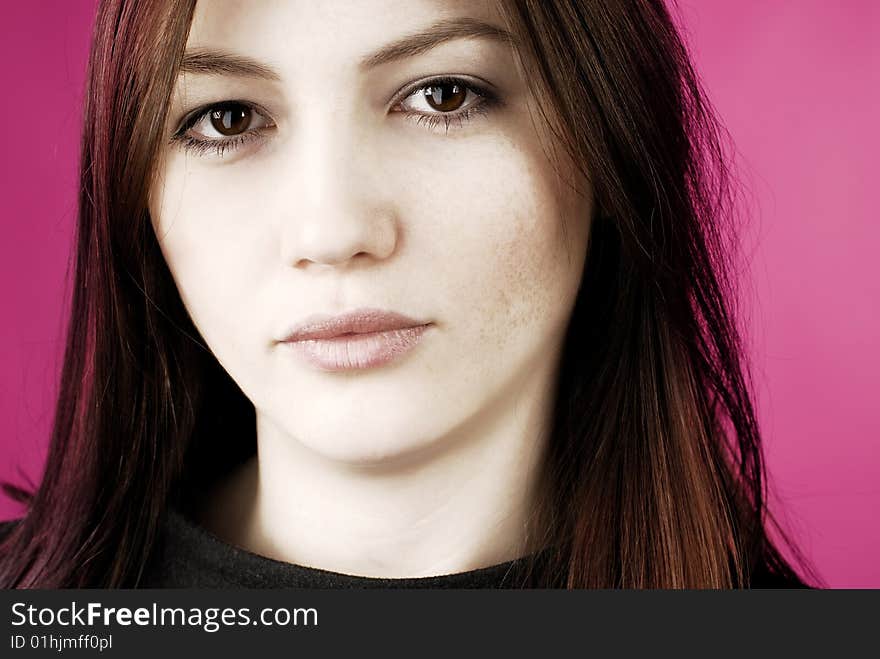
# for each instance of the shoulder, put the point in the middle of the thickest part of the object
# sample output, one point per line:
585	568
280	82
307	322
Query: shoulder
766	575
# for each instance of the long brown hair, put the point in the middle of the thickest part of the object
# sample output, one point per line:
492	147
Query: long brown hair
654	475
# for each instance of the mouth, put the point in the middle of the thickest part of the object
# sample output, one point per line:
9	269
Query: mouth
361	339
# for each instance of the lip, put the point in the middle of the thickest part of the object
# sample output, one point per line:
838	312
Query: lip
363	338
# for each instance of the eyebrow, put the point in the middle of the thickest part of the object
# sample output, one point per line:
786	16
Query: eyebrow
219	62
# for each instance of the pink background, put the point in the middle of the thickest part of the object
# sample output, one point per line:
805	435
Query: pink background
797	85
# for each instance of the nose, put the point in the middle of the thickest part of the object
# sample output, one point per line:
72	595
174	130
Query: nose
336	204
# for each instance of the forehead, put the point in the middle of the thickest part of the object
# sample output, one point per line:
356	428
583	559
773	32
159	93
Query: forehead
302	31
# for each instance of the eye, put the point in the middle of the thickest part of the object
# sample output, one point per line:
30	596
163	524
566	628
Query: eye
222	127
447	101
232	119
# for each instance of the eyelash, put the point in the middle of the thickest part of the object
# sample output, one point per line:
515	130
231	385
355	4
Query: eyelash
487	101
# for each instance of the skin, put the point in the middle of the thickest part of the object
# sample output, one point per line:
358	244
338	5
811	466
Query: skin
427	465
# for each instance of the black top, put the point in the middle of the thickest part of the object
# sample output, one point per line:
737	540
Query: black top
190	556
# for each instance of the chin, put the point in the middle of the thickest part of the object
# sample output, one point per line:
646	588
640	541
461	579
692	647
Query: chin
368	443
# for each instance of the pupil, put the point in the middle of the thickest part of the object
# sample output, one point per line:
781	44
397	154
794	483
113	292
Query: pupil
230	121
446	97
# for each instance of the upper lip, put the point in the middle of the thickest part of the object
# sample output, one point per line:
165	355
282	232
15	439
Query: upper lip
359	321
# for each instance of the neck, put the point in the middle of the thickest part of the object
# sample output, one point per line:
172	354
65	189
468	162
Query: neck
461	502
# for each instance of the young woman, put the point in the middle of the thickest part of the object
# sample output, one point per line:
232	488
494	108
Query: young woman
400	293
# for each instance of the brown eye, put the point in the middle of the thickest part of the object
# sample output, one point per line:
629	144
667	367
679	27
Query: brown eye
231	119
445	97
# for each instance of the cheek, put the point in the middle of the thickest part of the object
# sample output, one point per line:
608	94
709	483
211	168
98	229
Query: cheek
217	258
491	229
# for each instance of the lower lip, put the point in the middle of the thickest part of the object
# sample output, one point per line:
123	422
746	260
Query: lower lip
358	351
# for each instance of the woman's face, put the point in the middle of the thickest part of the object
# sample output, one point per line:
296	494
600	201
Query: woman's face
351	181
